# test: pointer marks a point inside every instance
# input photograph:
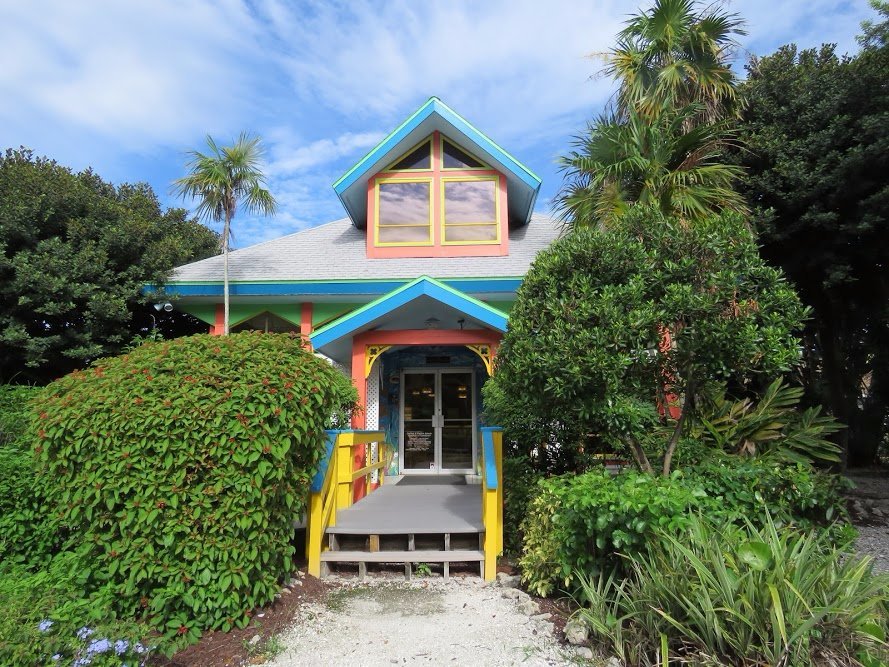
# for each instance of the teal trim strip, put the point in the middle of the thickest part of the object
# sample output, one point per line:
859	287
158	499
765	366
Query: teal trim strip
491	480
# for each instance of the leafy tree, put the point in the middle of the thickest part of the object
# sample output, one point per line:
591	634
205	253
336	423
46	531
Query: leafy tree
652	161
675	55
817	135
664	142
222	179
583	361
75	252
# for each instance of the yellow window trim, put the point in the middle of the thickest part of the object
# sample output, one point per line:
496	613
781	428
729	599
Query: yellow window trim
377	225
442	139
444	215
427	140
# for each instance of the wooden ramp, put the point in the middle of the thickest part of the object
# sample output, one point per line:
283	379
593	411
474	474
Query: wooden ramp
410	523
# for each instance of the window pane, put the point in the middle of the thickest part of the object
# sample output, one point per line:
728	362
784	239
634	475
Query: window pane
419	158
454	158
471	233
469	201
404	204
402	234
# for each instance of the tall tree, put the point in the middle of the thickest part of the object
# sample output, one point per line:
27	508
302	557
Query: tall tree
222	179
674	55
817	135
665	139
653	161
75	252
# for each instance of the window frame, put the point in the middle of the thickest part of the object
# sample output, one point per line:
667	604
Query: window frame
441	143
495	179
430	180
431	168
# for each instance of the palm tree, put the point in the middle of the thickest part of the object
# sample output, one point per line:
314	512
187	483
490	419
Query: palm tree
657	161
221	179
675	55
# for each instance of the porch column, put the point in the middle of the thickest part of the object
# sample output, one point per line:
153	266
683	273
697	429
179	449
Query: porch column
360	382
218	326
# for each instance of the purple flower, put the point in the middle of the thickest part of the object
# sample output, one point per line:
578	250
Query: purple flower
138	648
98	646
84	633
44	625
82	662
121	646
57	657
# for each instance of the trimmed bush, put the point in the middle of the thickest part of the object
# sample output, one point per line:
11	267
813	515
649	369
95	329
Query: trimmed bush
181	466
14	411
585	524
580	523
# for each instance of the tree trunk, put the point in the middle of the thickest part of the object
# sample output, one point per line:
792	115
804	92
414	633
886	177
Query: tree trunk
687	403
225	299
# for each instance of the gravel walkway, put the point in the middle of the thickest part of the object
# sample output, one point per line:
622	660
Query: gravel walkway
870	509
423	622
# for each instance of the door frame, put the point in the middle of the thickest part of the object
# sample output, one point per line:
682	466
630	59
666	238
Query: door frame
436	437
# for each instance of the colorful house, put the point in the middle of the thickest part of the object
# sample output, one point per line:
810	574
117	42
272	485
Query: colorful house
410	294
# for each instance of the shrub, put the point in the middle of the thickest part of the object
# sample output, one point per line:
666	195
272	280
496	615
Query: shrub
584	523
518	490
580	523
28	533
13	411
584	359
45	620
181	466
726	595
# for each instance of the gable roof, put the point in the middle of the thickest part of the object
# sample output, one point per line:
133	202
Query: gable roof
338	251
371	314
522	185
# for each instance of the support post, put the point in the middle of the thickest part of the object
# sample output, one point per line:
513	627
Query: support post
343	470
314	534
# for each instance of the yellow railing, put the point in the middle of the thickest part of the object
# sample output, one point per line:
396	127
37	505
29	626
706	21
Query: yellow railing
333	487
492	497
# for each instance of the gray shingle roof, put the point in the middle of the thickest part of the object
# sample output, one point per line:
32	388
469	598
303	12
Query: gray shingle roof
337	251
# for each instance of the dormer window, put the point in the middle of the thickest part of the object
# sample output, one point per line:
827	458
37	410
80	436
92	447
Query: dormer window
439	199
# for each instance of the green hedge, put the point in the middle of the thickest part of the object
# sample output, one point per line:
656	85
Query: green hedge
14	411
584	524
181	466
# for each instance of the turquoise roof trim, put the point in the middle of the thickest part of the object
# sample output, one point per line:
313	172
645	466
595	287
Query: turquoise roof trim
350	323
359	174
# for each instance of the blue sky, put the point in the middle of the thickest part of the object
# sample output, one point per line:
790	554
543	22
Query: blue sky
128	87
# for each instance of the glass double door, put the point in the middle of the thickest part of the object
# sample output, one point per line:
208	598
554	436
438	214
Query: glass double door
437	420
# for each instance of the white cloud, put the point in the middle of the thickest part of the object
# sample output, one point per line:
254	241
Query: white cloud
289	157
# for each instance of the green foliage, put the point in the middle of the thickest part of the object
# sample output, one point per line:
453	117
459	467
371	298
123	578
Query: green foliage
28	535
583	523
518	489
180	468
772	426
816	130
582	363
579	523
45	619
13	412
75	252
725	595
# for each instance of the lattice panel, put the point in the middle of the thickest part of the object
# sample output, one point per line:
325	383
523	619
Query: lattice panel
372	409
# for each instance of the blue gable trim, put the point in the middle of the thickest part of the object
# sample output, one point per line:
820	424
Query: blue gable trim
422	286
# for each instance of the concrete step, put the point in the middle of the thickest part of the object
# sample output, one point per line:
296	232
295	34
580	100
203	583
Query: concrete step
426	556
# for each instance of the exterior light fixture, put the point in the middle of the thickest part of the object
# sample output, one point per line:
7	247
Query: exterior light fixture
432	323
165	306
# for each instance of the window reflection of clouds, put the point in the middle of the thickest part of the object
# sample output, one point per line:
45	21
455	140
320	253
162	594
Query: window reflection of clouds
404	204
469	201
471	233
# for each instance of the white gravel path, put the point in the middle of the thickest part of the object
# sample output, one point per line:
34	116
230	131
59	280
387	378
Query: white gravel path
422	622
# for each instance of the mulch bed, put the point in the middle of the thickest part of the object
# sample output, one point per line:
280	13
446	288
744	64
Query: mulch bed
232	649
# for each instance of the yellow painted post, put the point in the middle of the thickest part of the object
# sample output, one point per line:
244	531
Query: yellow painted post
343	479
498	456
314	534
489	500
